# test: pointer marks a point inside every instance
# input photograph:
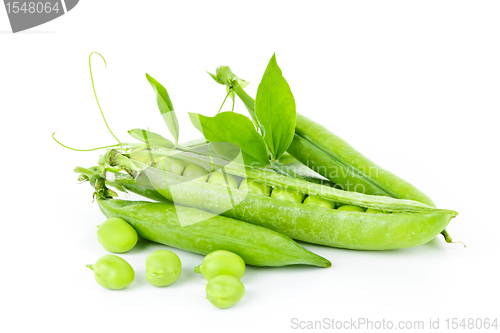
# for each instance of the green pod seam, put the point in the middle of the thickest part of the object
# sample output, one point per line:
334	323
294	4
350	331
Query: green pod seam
158	222
352	230
333	158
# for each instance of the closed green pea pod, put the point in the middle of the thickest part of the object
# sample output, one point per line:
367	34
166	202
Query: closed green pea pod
335	159
159	222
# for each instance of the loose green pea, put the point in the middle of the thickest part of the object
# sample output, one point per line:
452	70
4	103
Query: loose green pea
255	187
287	195
163	268
224	291
221	262
351	208
218	178
195	172
319	202
112	272
172	165
374	211
116	235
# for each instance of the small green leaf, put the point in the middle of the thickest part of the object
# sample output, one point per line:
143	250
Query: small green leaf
236	129
152	139
166	107
215	78
275	110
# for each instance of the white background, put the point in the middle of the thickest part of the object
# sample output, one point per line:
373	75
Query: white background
414	85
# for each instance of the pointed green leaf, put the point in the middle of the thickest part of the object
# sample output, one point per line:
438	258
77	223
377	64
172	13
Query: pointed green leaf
152	139
275	109
234	128
166	107
215	78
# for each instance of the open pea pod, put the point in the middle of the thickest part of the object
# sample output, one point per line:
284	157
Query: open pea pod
409	223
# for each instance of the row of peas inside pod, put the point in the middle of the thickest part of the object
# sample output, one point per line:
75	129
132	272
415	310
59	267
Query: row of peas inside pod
196	172
222	269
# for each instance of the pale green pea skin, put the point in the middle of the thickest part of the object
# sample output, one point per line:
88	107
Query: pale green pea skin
112	272
163	268
287	195
217	178
351	208
116	235
195	172
255	187
224	291
319	202
171	165
221	262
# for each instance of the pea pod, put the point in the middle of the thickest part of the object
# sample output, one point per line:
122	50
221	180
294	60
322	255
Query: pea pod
335	159
410	224
158	222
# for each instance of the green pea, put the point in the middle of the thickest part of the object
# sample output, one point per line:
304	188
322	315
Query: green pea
224	291
351	208
374	211
116	235
196	172
255	187
112	272
287	195
172	165
221	262
218	178
163	268
319	202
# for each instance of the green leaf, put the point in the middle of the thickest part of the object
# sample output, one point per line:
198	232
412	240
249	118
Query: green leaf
215	78
166	107
275	110
236	129
152	139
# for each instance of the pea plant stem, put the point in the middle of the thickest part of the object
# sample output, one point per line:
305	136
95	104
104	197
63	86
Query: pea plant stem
224	101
